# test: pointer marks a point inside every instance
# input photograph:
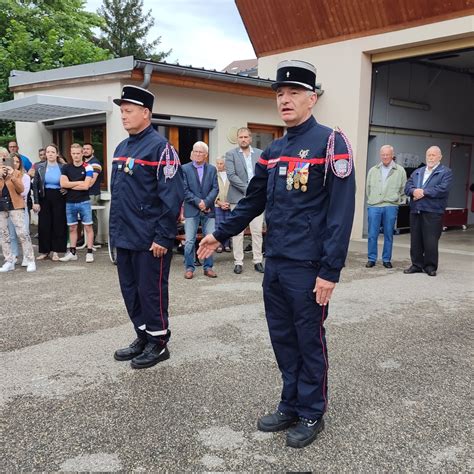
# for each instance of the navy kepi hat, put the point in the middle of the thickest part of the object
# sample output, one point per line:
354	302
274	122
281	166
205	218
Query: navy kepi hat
295	73
136	95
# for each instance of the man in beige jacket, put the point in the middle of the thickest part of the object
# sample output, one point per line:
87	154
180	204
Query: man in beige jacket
385	192
222	204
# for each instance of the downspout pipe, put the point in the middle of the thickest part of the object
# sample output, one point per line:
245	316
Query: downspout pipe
147	72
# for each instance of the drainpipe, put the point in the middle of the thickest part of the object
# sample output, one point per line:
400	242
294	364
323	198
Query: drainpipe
147	71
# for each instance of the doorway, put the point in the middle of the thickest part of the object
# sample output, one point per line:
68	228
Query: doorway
183	138
461	166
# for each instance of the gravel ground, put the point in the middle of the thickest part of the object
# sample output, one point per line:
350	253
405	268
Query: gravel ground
400	353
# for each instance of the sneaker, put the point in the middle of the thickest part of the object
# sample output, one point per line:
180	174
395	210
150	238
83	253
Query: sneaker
24	262
304	432
89	257
7	267
31	266
68	257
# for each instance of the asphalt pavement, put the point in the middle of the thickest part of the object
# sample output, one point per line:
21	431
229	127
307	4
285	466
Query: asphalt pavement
400	355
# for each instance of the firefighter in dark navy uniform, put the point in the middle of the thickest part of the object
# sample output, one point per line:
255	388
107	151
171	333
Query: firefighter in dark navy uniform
305	184
147	193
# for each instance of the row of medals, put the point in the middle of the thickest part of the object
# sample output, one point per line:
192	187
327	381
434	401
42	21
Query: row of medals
297	179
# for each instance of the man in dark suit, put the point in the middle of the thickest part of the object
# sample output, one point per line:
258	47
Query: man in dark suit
240	165
200	192
428	187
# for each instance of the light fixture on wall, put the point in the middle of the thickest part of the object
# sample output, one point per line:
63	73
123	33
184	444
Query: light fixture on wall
409	104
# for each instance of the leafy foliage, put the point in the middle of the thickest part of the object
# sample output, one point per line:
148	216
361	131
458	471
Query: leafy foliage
125	29
44	34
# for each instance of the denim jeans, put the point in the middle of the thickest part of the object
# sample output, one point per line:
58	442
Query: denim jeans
82	209
13	237
191	225
387	217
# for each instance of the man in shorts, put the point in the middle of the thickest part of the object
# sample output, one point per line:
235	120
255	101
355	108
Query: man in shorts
76	179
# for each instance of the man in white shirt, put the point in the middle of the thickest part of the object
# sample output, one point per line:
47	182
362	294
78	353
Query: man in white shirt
240	164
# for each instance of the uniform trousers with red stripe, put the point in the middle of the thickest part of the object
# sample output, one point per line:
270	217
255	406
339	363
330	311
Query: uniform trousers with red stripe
296	325
144	284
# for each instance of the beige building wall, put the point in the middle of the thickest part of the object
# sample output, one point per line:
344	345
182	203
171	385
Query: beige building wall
229	111
345	71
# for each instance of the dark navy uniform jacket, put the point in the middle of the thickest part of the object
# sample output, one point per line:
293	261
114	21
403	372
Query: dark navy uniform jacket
145	206
307	226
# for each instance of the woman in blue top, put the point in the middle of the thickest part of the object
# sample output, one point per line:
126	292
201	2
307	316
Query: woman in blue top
50	203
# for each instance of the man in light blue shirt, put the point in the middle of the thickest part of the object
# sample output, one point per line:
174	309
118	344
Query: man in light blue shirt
13	148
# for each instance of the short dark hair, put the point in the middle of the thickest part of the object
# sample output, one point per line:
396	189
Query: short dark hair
88	143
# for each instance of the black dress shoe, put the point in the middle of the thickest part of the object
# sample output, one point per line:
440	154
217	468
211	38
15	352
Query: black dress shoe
259	268
387	265
151	355
277	421
238	269
370	264
412	269
304	433
431	273
134	349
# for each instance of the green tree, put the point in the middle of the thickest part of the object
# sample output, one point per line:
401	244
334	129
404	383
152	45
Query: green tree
44	34
125	29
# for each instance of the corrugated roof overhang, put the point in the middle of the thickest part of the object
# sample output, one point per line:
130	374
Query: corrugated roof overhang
277	26
38	108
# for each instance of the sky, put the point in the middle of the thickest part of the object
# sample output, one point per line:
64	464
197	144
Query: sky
201	33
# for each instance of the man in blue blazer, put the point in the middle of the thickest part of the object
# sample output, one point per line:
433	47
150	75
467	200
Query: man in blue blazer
200	192
428	187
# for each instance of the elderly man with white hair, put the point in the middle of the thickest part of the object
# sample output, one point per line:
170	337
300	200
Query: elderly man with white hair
428	188
200	192
384	188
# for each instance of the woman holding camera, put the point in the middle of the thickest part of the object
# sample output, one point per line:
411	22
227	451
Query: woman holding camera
12	205
50	203
14	241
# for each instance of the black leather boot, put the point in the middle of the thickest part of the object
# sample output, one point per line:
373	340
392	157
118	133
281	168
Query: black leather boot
134	349
151	355
277	421
304	432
